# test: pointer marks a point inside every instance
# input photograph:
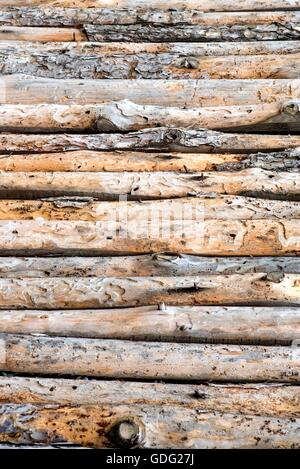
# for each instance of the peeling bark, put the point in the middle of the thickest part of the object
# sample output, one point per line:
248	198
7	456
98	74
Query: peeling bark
149	360
235	325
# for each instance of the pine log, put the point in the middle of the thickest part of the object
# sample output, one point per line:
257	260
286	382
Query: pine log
15	33
233	325
206	5
74	293
203	208
110	427
162	139
273	400
23	89
211	23
148	360
126	115
117	161
159	264
97	61
252	182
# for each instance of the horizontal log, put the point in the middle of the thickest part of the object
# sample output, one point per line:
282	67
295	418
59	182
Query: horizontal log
234	325
15	33
287	20
206	5
160	264
253	182
22	89
203	208
109	427
94	292
117	161
273	400
148	360
196	61
273	31
189	236
162	139
126	115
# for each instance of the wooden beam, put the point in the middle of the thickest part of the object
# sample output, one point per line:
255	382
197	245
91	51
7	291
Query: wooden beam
148	360
75	293
16	33
234	325
20	89
272	400
161	139
159	264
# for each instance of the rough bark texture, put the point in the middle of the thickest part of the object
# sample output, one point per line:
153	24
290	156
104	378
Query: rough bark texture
235	325
74	293
159	264
148	360
120	161
126	115
22	89
162	139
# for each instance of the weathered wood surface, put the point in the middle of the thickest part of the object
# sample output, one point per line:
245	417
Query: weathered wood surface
215	237
252	182
109	426
160	139
206	5
148	360
128	161
159	264
75	293
93	60
126	115
23	89
273	400
234	325
16	33
202	208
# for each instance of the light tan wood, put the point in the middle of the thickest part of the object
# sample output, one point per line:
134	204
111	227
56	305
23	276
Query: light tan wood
148	360
235	325
75	293
16	33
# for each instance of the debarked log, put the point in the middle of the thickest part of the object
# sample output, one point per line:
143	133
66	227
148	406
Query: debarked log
206	5
125	60
191	209
128	161
160	139
109	426
23	89
273	400
252	182
258	289
234	325
126	115
159	264
148	360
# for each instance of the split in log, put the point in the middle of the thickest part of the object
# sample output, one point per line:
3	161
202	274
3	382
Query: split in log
206	5
231	325
252	182
126	161
15	33
123	60
160	139
272	289
126	116
22	89
148	360
273	400
202	208
109	426
159	264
